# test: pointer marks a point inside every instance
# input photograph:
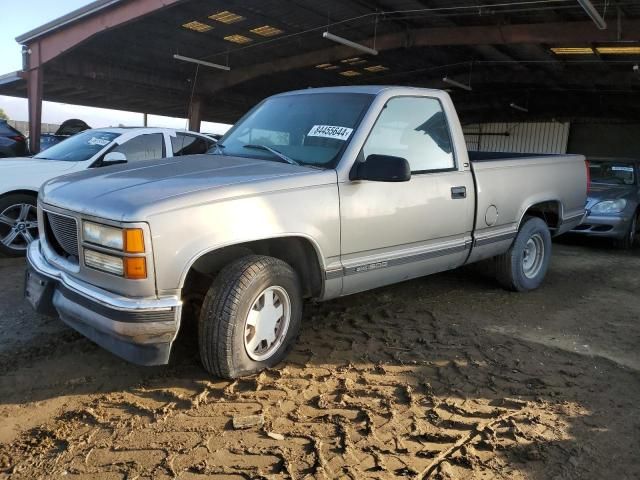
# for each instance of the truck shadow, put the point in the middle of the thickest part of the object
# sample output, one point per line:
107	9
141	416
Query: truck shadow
402	381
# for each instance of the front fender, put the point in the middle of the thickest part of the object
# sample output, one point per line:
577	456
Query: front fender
181	237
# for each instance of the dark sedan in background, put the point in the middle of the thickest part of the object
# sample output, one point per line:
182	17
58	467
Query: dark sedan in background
12	142
67	129
613	200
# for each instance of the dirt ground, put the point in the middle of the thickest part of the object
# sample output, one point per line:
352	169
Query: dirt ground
445	377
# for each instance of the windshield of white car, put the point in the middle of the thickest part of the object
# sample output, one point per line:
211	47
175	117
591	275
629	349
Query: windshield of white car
80	147
612	173
310	129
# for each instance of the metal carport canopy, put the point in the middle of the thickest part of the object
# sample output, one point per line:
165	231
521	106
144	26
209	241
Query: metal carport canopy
120	54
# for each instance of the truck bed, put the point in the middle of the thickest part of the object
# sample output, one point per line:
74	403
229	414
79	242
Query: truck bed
477	156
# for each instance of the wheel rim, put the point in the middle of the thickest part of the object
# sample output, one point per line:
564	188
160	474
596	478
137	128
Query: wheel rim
533	256
267	323
18	226
632	232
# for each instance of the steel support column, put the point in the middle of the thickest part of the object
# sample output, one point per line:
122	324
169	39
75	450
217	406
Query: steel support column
195	115
34	92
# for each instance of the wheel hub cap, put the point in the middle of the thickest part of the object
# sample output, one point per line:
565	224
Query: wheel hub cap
533	256
267	323
18	226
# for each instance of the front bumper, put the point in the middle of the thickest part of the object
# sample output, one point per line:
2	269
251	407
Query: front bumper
141	331
604	226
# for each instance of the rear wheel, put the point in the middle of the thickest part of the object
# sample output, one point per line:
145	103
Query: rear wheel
629	239
524	266
18	223
250	317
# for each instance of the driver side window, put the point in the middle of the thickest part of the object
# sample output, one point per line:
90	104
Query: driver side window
414	128
143	147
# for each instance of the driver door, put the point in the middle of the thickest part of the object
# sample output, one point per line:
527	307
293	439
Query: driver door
394	231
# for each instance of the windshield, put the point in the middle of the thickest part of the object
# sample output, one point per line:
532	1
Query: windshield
80	147
310	129
612	173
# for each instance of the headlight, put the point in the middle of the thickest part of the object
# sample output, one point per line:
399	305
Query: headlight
103	235
609	206
130	240
104	263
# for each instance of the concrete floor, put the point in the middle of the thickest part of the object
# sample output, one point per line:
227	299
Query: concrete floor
442	377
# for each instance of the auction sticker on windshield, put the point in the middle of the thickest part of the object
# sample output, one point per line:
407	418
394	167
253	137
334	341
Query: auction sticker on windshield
98	141
622	169
330	131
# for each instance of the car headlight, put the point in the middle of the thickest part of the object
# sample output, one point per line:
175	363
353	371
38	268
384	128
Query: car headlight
103	235
124	240
609	206
129	240
103	262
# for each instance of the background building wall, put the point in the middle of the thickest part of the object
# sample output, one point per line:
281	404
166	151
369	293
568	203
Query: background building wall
605	139
23	127
538	137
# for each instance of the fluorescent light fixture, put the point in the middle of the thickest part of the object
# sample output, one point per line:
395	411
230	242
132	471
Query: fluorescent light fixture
457	84
267	31
197	26
619	50
572	50
323	65
515	106
376	68
593	14
350	73
354	61
226	17
201	62
349	43
241	39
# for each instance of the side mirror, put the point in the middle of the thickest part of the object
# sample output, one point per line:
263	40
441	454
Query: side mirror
114	158
382	168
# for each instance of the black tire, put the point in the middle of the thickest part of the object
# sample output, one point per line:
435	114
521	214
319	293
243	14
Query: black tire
221	326
510	269
9	206
629	239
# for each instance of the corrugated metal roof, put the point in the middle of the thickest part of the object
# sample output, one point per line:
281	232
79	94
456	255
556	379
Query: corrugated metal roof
85	11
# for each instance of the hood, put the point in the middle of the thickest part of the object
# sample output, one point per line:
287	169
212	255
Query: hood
133	192
29	173
600	191
28	163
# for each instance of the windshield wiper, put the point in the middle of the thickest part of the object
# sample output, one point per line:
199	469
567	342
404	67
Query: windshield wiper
273	151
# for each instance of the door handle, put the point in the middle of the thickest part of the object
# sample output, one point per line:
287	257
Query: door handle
458	192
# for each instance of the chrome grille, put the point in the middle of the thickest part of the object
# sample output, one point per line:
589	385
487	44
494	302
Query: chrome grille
65	232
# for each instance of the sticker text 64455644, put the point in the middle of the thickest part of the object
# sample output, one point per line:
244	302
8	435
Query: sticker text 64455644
330	131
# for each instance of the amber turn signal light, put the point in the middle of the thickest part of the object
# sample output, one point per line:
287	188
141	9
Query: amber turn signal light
133	240
135	268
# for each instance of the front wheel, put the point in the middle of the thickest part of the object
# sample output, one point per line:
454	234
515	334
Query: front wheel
626	242
18	223
250	316
524	266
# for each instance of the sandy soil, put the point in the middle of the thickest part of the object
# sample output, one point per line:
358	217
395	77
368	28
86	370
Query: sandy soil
444	377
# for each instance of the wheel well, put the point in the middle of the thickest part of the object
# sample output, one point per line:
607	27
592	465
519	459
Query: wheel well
14	192
549	212
296	251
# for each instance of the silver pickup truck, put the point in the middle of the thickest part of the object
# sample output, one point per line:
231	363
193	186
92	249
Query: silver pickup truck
313	194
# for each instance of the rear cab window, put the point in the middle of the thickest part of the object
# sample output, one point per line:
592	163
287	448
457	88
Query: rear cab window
185	144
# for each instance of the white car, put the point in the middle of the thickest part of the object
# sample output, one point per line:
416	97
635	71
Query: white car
21	178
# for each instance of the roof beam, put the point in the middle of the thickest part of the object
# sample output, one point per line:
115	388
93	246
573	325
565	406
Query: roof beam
58	40
554	33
